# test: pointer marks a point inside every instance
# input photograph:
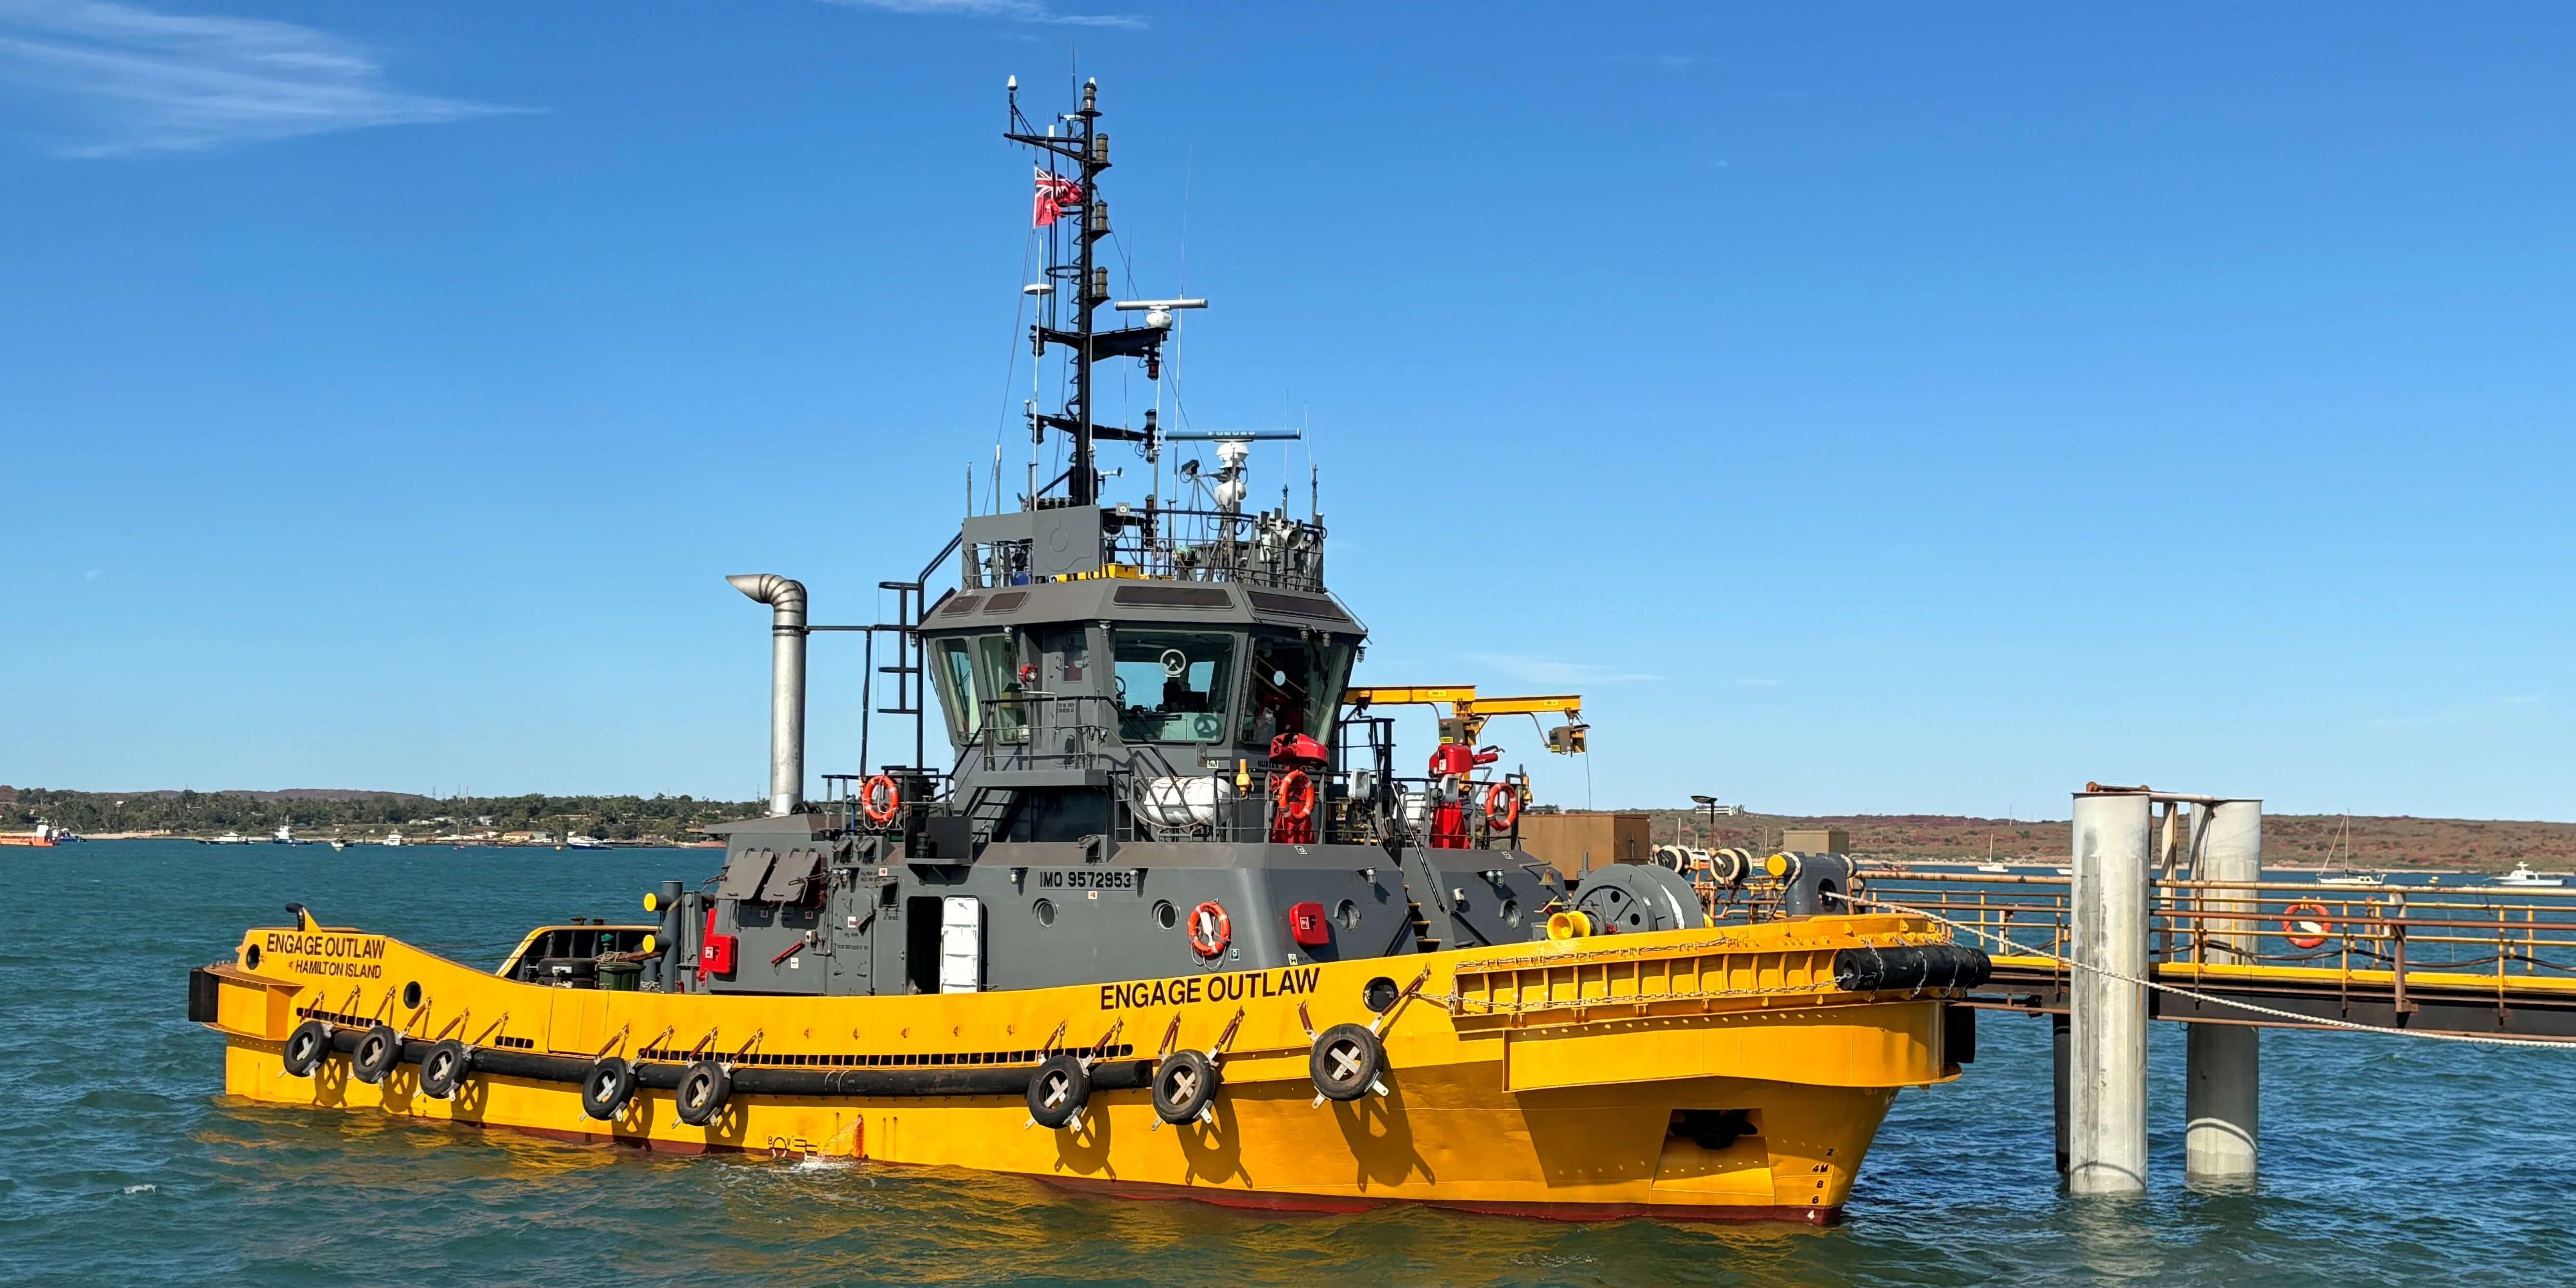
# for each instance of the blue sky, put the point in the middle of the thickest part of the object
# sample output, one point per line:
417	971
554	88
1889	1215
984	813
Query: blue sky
1867	408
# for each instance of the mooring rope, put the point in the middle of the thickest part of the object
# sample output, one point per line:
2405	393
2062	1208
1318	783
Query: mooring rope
2021	949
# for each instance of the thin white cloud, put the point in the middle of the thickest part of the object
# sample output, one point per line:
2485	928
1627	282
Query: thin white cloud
1540	670
1009	10
124	78
2475	711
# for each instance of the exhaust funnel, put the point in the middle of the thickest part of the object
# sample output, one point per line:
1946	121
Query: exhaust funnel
786	600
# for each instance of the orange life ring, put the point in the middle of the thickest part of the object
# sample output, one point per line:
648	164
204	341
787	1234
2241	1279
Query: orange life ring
2293	926
1210	930
1294	794
879	799
1502	806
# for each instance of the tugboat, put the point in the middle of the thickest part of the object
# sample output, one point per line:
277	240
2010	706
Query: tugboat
1163	919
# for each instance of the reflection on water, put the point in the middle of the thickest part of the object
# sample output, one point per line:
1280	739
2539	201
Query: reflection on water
2384	1162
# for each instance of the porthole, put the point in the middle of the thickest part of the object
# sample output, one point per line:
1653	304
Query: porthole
1348	914
1044	909
411	995
250	957
1511	912
1379	995
1165	915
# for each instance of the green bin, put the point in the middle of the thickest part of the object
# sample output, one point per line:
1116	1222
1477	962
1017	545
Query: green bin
620	977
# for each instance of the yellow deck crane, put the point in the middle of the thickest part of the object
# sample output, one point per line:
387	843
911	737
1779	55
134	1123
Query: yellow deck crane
1453	821
1464	720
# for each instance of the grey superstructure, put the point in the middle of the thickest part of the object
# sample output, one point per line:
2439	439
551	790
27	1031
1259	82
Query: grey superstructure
1150	769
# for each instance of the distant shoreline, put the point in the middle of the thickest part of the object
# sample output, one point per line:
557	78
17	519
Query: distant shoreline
364	817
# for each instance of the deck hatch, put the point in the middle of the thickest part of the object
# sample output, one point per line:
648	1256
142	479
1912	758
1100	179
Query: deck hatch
742	876
791	879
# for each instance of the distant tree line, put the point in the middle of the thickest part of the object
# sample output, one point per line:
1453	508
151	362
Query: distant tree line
616	818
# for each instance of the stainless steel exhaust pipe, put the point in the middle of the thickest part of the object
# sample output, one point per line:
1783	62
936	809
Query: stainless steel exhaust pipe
786	599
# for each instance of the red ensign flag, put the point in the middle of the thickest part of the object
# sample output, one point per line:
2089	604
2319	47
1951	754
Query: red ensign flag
1055	195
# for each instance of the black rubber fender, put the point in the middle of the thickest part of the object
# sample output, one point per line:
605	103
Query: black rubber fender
1346	1061
1184	1085
443	1068
376	1054
607	1087
703	1090
306	1048
997	1080
505	1063
1911	969
1058	1090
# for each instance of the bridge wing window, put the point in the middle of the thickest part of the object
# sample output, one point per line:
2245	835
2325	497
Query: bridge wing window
1000	664
955	671
1172	687
1295	686
976	675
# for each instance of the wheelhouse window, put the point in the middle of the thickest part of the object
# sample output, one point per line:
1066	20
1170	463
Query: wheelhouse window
1296	687
976	675
1172	687
954	668
999	667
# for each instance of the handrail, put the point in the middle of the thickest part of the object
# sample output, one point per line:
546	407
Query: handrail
2206	922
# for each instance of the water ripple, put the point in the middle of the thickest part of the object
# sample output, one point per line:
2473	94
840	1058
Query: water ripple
2385	1163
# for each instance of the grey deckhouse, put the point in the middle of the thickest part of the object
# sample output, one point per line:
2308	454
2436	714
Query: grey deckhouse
1151	771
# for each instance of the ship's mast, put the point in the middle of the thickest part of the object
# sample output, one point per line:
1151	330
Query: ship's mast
1080	280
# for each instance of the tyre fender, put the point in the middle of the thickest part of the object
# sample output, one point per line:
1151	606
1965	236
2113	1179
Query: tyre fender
607	1087
704	1088
1058	1090
443	1069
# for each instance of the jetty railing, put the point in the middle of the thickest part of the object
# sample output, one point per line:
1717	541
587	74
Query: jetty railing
2164	911
2504	931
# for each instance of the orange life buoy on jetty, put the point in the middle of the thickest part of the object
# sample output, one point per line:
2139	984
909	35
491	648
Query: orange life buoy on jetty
879	799
1502	806
1210	929
1294	795
2304	932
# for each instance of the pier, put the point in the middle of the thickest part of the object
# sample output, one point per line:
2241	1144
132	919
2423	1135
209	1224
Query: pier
2163	911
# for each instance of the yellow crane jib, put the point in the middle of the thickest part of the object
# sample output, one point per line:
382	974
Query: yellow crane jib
1467	712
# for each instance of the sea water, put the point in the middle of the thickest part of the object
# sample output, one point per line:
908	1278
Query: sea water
2385	1160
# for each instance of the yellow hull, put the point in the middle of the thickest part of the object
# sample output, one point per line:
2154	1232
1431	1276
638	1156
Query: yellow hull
1540	1078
